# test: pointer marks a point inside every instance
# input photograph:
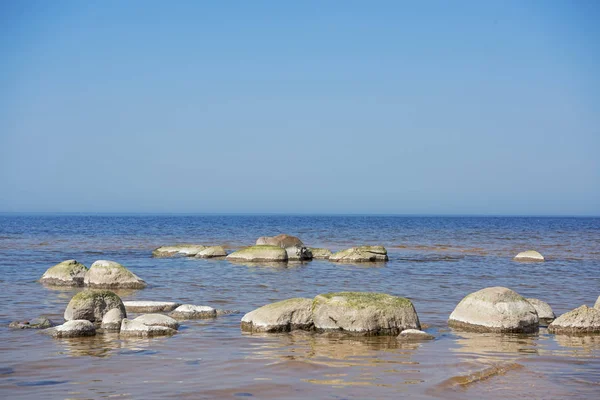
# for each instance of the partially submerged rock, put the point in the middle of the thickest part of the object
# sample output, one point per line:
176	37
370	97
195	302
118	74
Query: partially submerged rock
66	273
364	313
360	254
582	320
190	311
414	335
112	319
112	275
543	309
158	320
320	253
529	255
495	309
74	328
186	249
150	306
133	328
211	252
259	253
298	253
284	241
92	305
36	323
282	316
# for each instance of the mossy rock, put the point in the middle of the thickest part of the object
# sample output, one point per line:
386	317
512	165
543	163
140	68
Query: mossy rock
182	249
259	253
66	273
320	253
282	316
364	313
581	321
360	254
112	275
212	252
92	305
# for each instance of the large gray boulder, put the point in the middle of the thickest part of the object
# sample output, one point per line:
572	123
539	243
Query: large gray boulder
320	253
112	320
132	328
282	316
259	253
495	309
360	254
582	320
92	305
364	313
284	241
73	328
112	275
66	273
543	309
158	320
150	306
529	255
190	311
212	252
187	250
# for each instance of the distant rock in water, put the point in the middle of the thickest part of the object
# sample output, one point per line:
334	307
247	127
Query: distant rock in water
92	305
319	253
495	309
150	306
66	273
529	255
211	252
284	241
582	320
36	323
112	319
360	254
543	309
190	311
112	275
133	328
282	316
259	253
73	328
414	335
187	250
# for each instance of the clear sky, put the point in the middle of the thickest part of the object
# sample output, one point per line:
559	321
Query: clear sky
421	107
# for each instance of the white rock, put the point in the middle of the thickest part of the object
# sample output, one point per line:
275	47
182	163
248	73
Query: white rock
282	316
414	334
132	328
529	255
190	311
112	319
74	328
158	320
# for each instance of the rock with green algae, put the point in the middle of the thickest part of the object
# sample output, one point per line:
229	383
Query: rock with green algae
320	253
112	275
282	316
92	305
364	313
360	254
211	252
495	309
260	253
582	320
66	273
183	249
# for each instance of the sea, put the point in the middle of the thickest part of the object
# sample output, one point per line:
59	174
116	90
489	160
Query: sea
433	260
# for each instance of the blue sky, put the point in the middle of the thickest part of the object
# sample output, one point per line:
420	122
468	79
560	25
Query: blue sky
431	107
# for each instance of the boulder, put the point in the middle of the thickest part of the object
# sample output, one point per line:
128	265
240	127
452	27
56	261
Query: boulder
284	241
259	253
320	253
190	311
212	251
298	253
112	275
66	273
36	323
74	328
495	309
543	309
582	320
132	328
92	305
150	306
597	304
282	316
188	250
158	320
411	335
529	255
360	254
112	319
364	313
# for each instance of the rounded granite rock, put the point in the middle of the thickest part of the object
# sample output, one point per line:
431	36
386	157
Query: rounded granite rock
543	309
495	309
112	275
190	311
284	241
259	253
74	328
582	320
66	273
360	254
92	305
112	319
529	255
364	313
282	316
158	320
212	252
150	306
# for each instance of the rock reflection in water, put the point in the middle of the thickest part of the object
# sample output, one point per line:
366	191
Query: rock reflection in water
106	344
489	345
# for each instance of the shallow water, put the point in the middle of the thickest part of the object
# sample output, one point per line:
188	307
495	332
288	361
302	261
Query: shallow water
434	261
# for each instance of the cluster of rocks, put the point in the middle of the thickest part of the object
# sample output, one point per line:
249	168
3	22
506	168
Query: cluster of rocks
190	250
102	274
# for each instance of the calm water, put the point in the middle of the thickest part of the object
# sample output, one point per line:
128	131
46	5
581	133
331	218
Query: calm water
434	261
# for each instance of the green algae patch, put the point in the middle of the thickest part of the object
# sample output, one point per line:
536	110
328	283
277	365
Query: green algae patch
66	273
366	299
